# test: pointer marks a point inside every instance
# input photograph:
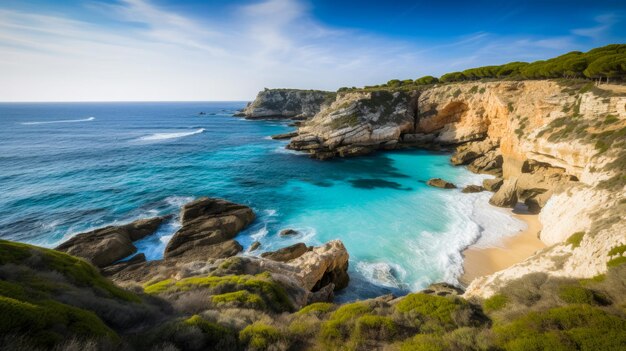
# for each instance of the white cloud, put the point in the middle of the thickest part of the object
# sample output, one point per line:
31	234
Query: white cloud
153	53
604	23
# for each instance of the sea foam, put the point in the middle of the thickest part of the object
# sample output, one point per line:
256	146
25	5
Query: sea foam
59	121
166	136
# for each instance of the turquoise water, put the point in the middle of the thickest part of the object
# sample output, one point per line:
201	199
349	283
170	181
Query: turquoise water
66	168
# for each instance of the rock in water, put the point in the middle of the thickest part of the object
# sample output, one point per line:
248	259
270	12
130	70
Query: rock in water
255	245
102	247
286	253
492	184
284	136
287	103
440	183
288	232
207	222
472	189
506	196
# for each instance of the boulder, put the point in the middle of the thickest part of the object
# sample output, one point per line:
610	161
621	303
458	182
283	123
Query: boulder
206	222
323	265
284	135
440	183
104	246
442	289
492	184
468	152
472	189
288	232
255	245
286	253
506	196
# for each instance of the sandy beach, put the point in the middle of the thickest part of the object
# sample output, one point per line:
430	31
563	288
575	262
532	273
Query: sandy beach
513	249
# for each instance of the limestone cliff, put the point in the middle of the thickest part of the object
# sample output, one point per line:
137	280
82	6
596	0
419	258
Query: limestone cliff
559	145
357	123
287	103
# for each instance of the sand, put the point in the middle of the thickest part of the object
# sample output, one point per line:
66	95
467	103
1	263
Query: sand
511	250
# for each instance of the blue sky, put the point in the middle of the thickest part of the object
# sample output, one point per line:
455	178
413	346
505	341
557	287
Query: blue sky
97	50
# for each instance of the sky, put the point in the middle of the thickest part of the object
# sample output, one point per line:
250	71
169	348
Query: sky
217	50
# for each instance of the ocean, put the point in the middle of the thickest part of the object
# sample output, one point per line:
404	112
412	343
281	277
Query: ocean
66	168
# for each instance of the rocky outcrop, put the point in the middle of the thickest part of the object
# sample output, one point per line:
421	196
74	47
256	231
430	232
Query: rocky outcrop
506	196
286	253
492	184
284	136
472	189
357	123
102	247
287	103
440	183
208	227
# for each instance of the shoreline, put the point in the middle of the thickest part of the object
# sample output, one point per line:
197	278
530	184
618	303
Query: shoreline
481	261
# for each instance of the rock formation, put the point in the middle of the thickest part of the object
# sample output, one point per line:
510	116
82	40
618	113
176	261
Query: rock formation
440	183
102	247
287	103
208	227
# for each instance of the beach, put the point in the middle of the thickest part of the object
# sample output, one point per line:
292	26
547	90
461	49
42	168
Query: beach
479	261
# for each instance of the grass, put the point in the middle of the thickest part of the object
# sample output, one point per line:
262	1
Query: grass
576	294
429	307
317	308
617	250
259	336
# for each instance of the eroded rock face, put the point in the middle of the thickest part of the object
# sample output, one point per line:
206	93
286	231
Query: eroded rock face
506	196
288	103
208	227
357	123
102	247
472	189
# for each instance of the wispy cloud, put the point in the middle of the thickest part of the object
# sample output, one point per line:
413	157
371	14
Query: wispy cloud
154	53
604	24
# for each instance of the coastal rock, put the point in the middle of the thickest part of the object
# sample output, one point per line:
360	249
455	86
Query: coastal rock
288	103
442	289
468	152
206	222
286	253
472	189
285	135
506	196
440	183
255	245
288	232
357	123
102	247
492	184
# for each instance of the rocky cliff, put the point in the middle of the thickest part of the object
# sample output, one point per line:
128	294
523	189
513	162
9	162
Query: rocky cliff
287	103
559	146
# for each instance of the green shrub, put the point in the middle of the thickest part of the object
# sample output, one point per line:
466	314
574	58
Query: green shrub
318	308
495	303
573	327
375	327
430	307
259	336
576	294
211	331
456	93
616	261
482	90
241	298
423	342
575	239
340	323
618	250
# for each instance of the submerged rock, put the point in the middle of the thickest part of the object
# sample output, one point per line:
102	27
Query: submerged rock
255	245
440	183
102	247
288	232
286	253
207	222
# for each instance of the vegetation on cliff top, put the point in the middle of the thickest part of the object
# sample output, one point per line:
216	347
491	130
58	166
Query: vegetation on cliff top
603	63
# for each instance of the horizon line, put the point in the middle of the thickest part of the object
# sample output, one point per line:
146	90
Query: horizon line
113	101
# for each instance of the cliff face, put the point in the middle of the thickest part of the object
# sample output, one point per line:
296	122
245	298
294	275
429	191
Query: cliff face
287	103
357	123
559	147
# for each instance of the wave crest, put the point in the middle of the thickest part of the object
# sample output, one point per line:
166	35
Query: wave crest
59	121
166	136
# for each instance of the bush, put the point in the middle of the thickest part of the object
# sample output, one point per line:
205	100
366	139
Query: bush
439	309
259	336
317	308
423	342
576	294
375	327
495	303
340	323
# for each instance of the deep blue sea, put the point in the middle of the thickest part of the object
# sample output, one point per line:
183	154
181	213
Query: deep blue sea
69	167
